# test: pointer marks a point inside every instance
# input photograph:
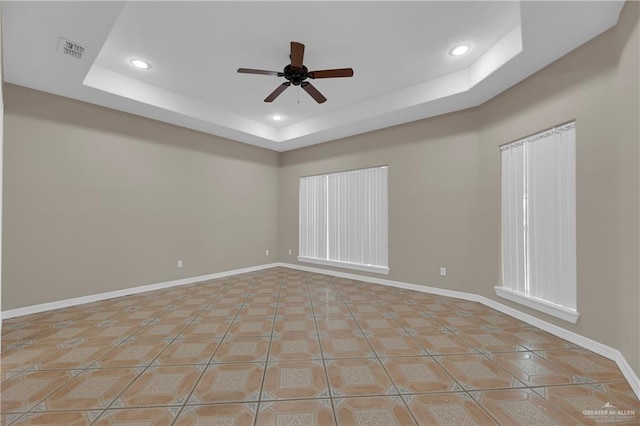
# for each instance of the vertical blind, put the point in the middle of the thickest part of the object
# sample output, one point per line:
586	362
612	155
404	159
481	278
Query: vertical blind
343	219
538	216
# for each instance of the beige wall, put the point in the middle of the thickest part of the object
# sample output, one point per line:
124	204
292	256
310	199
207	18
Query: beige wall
98	200
444	184
433	195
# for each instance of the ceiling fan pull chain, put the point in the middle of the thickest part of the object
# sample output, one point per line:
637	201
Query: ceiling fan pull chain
298	94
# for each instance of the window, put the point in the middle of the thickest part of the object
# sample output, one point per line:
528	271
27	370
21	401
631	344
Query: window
539	222
343	219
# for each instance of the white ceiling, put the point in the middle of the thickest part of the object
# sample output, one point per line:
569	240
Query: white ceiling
398	50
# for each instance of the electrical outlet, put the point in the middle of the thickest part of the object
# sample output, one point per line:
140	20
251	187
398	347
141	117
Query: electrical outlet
179	263
290	252
443	272
266	252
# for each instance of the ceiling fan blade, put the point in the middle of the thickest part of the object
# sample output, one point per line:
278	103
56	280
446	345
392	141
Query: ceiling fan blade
262	72
311	90
297	54
277	92
340	72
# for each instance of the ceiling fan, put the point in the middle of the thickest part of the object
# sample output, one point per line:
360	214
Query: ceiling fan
296	73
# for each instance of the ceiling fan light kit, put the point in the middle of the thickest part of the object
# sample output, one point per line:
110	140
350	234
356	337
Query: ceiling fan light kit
296	73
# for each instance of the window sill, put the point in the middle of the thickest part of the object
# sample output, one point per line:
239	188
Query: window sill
346	265
549	308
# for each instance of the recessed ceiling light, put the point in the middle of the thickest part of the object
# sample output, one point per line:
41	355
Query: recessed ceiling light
460	49
276	117
139	63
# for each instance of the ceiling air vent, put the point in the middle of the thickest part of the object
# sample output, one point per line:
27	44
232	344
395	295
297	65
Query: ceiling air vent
70	48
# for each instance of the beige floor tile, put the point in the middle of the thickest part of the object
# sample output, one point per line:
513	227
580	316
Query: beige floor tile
111	332
64	334
219	311
192	301
532	370
442	342
251	326
261	300
188	351
535	339
521	406
217	414
60	315
203	328
268	289
76	355
621	391
295	380
361	299
242	349
134	353
577	399
345	345
163	330
90	390
450	409
489	342
103	315
496	319
585	364
402	309
357	377
295	325
365	309
377	324
229	383
331	309
395	344
475	372
418	375
301	412
289	347
121	303
326	299
266	311
380	410
230	299
228	328
24	356
22	392
295	300
181	313
457	321
141	316
67	418
417	322
157	386
438	306
468	306
295	310
157	416
329	325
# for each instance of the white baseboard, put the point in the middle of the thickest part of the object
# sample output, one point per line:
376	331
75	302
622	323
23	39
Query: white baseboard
34	309
597	347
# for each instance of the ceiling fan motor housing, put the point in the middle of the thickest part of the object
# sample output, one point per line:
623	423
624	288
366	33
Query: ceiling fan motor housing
296	75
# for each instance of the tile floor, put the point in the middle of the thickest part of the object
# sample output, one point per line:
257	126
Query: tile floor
285	347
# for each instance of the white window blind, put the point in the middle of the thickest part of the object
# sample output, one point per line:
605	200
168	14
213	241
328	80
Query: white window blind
343	219
538	222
